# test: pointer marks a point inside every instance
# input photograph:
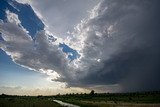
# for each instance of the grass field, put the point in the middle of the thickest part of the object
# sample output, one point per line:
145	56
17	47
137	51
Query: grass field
143	99
26	101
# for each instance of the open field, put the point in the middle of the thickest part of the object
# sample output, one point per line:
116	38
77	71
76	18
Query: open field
26	101
143	99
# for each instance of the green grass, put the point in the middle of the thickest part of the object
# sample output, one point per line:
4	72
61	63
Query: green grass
27	102
148	99
111	99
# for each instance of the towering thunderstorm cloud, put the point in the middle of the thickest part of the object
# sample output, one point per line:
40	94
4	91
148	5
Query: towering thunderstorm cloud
119	47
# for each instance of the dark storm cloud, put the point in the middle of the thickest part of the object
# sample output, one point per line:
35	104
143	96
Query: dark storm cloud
130	52
119	45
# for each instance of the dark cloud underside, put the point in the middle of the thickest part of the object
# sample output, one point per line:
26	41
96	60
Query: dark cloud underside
119	47
131	55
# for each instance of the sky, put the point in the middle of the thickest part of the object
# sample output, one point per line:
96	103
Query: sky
74	46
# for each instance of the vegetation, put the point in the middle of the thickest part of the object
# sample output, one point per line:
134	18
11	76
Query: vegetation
92	99
112	99
26	101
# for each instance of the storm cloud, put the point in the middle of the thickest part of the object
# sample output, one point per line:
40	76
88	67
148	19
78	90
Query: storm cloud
61	16
119	47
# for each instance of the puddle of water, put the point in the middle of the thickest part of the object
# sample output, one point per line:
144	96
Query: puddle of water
65	104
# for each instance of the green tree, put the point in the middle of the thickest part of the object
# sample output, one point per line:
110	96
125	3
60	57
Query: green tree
92	92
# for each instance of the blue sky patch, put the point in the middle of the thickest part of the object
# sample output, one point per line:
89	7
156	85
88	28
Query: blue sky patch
26	15
73	53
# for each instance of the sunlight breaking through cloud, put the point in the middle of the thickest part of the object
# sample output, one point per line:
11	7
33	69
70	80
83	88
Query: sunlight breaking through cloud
112	45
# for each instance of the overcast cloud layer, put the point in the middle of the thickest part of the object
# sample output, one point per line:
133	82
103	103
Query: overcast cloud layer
118	42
